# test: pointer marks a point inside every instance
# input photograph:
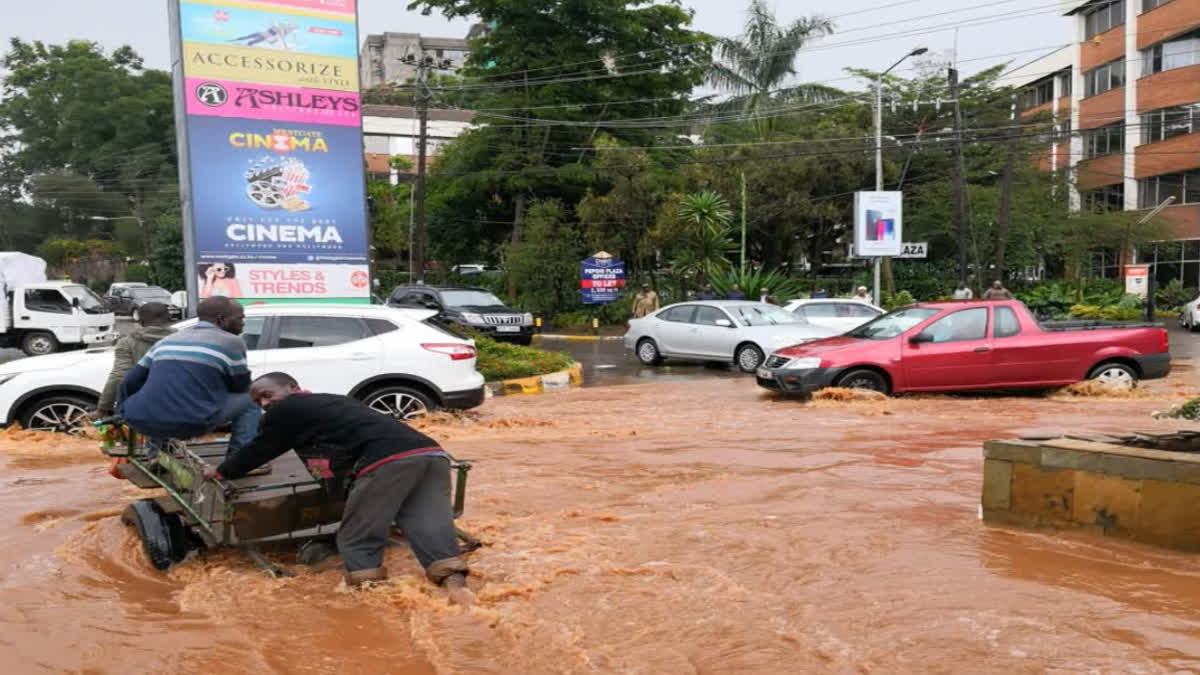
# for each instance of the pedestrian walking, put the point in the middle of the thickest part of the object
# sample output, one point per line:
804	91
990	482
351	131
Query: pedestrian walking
997	292
645	303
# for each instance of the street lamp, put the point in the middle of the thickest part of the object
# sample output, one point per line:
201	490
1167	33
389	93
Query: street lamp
879	140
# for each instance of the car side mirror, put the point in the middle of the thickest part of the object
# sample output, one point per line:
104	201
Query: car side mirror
430	304
75	302
920	338
724	323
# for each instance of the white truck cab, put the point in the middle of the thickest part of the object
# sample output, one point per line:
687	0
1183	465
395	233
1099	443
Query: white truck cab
42	317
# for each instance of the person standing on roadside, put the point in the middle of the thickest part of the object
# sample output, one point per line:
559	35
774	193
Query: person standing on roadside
736	293
820	294
764	295
706	293
645	303
153	317
997	292
963	292
861	295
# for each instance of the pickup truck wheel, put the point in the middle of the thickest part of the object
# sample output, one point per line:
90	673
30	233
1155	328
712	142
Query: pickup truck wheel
1115	375
647	353
864	379
65	414
748	358
39	344
400	402
135	315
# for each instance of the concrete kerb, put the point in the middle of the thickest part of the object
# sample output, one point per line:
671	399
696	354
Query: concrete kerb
541	384
580	338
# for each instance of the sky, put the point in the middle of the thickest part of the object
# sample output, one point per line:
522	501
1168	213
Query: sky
870	34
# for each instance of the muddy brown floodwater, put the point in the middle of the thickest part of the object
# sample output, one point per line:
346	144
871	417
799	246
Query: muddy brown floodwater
698	527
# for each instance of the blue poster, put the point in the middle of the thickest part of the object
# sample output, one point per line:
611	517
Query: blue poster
268	29
601	280
277	191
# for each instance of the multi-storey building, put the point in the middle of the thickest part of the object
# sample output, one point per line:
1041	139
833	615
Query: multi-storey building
384	58
1125	99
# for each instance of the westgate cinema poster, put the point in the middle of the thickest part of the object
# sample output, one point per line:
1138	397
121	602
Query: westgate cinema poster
271	142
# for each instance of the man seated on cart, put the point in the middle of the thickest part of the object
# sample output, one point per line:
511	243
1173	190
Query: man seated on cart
396	475
195	380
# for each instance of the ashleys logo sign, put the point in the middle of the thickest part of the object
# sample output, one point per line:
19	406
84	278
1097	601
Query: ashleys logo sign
224	98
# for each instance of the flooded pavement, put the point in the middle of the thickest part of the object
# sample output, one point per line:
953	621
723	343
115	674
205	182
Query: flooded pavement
607	363
657	528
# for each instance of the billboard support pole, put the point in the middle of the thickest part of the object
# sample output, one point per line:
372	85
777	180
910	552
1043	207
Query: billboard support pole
179	87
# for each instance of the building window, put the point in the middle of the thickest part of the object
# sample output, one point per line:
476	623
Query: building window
1037	94
1148	5
1103	141
1107	198
1180	52
1159	125
1064	84
1104	18
1106	77
1062	131
1184	187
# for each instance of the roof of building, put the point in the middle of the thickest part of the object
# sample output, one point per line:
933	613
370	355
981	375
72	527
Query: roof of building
1074	6
407	112
1040	68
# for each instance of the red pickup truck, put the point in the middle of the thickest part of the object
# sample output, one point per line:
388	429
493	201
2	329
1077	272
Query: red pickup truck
957	346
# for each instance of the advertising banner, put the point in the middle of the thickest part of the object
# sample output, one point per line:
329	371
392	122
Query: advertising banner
878	224
601	279
270	129
1137	280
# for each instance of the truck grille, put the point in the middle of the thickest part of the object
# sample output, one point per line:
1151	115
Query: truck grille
503	319
777	361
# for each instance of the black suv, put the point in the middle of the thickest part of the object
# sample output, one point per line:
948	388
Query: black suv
474	308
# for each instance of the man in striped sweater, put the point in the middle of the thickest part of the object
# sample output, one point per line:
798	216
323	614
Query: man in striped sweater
195	380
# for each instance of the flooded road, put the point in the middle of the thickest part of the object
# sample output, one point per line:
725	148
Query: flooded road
657	528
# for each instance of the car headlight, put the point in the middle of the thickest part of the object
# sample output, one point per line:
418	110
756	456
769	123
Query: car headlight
4	379
527	319
806	363
472	318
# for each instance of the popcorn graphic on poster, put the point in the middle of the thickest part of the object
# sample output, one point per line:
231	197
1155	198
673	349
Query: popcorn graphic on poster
278	183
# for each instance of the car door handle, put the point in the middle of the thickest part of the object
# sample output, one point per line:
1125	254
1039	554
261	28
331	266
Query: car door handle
360	357
24	318
983	349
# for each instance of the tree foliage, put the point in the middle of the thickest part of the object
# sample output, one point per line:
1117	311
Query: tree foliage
545	263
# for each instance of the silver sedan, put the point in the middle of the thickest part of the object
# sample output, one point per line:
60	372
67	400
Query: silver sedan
719	330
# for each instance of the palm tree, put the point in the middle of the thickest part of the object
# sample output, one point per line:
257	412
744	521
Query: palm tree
710	244
753	66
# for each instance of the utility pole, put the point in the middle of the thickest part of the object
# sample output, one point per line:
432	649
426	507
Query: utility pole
421	101
1006	188
960	180
743	258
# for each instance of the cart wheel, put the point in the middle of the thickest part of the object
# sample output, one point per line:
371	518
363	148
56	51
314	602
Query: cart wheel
162	534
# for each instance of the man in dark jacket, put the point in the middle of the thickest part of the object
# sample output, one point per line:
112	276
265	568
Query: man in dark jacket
153	317
707	293
399	476
736	293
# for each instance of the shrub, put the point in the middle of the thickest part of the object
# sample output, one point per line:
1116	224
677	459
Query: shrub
777	283
1173	296
901	299
505	361
138	273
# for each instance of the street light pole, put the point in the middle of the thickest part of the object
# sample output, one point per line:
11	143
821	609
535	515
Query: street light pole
879	144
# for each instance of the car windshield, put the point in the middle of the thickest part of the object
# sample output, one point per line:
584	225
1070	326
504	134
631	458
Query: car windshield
150	293
470	299
892	325
764	315
88	301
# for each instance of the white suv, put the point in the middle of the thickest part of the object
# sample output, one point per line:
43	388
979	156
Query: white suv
394	360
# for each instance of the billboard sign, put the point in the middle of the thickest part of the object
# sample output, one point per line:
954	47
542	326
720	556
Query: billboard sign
878	224
270	136
601	279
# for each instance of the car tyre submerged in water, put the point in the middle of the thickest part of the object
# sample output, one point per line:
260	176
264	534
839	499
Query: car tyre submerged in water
861	378
39	343
748	358
64	413
163	536
400	402
648	354
1115	375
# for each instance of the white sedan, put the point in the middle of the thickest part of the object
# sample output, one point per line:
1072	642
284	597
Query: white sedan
840	315
718	331
394	360
1189	315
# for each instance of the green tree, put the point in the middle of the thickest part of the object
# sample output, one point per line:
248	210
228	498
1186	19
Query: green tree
754	66
166	253
706	253
549	77
545	263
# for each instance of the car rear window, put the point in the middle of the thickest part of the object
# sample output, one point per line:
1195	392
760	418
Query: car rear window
381	326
